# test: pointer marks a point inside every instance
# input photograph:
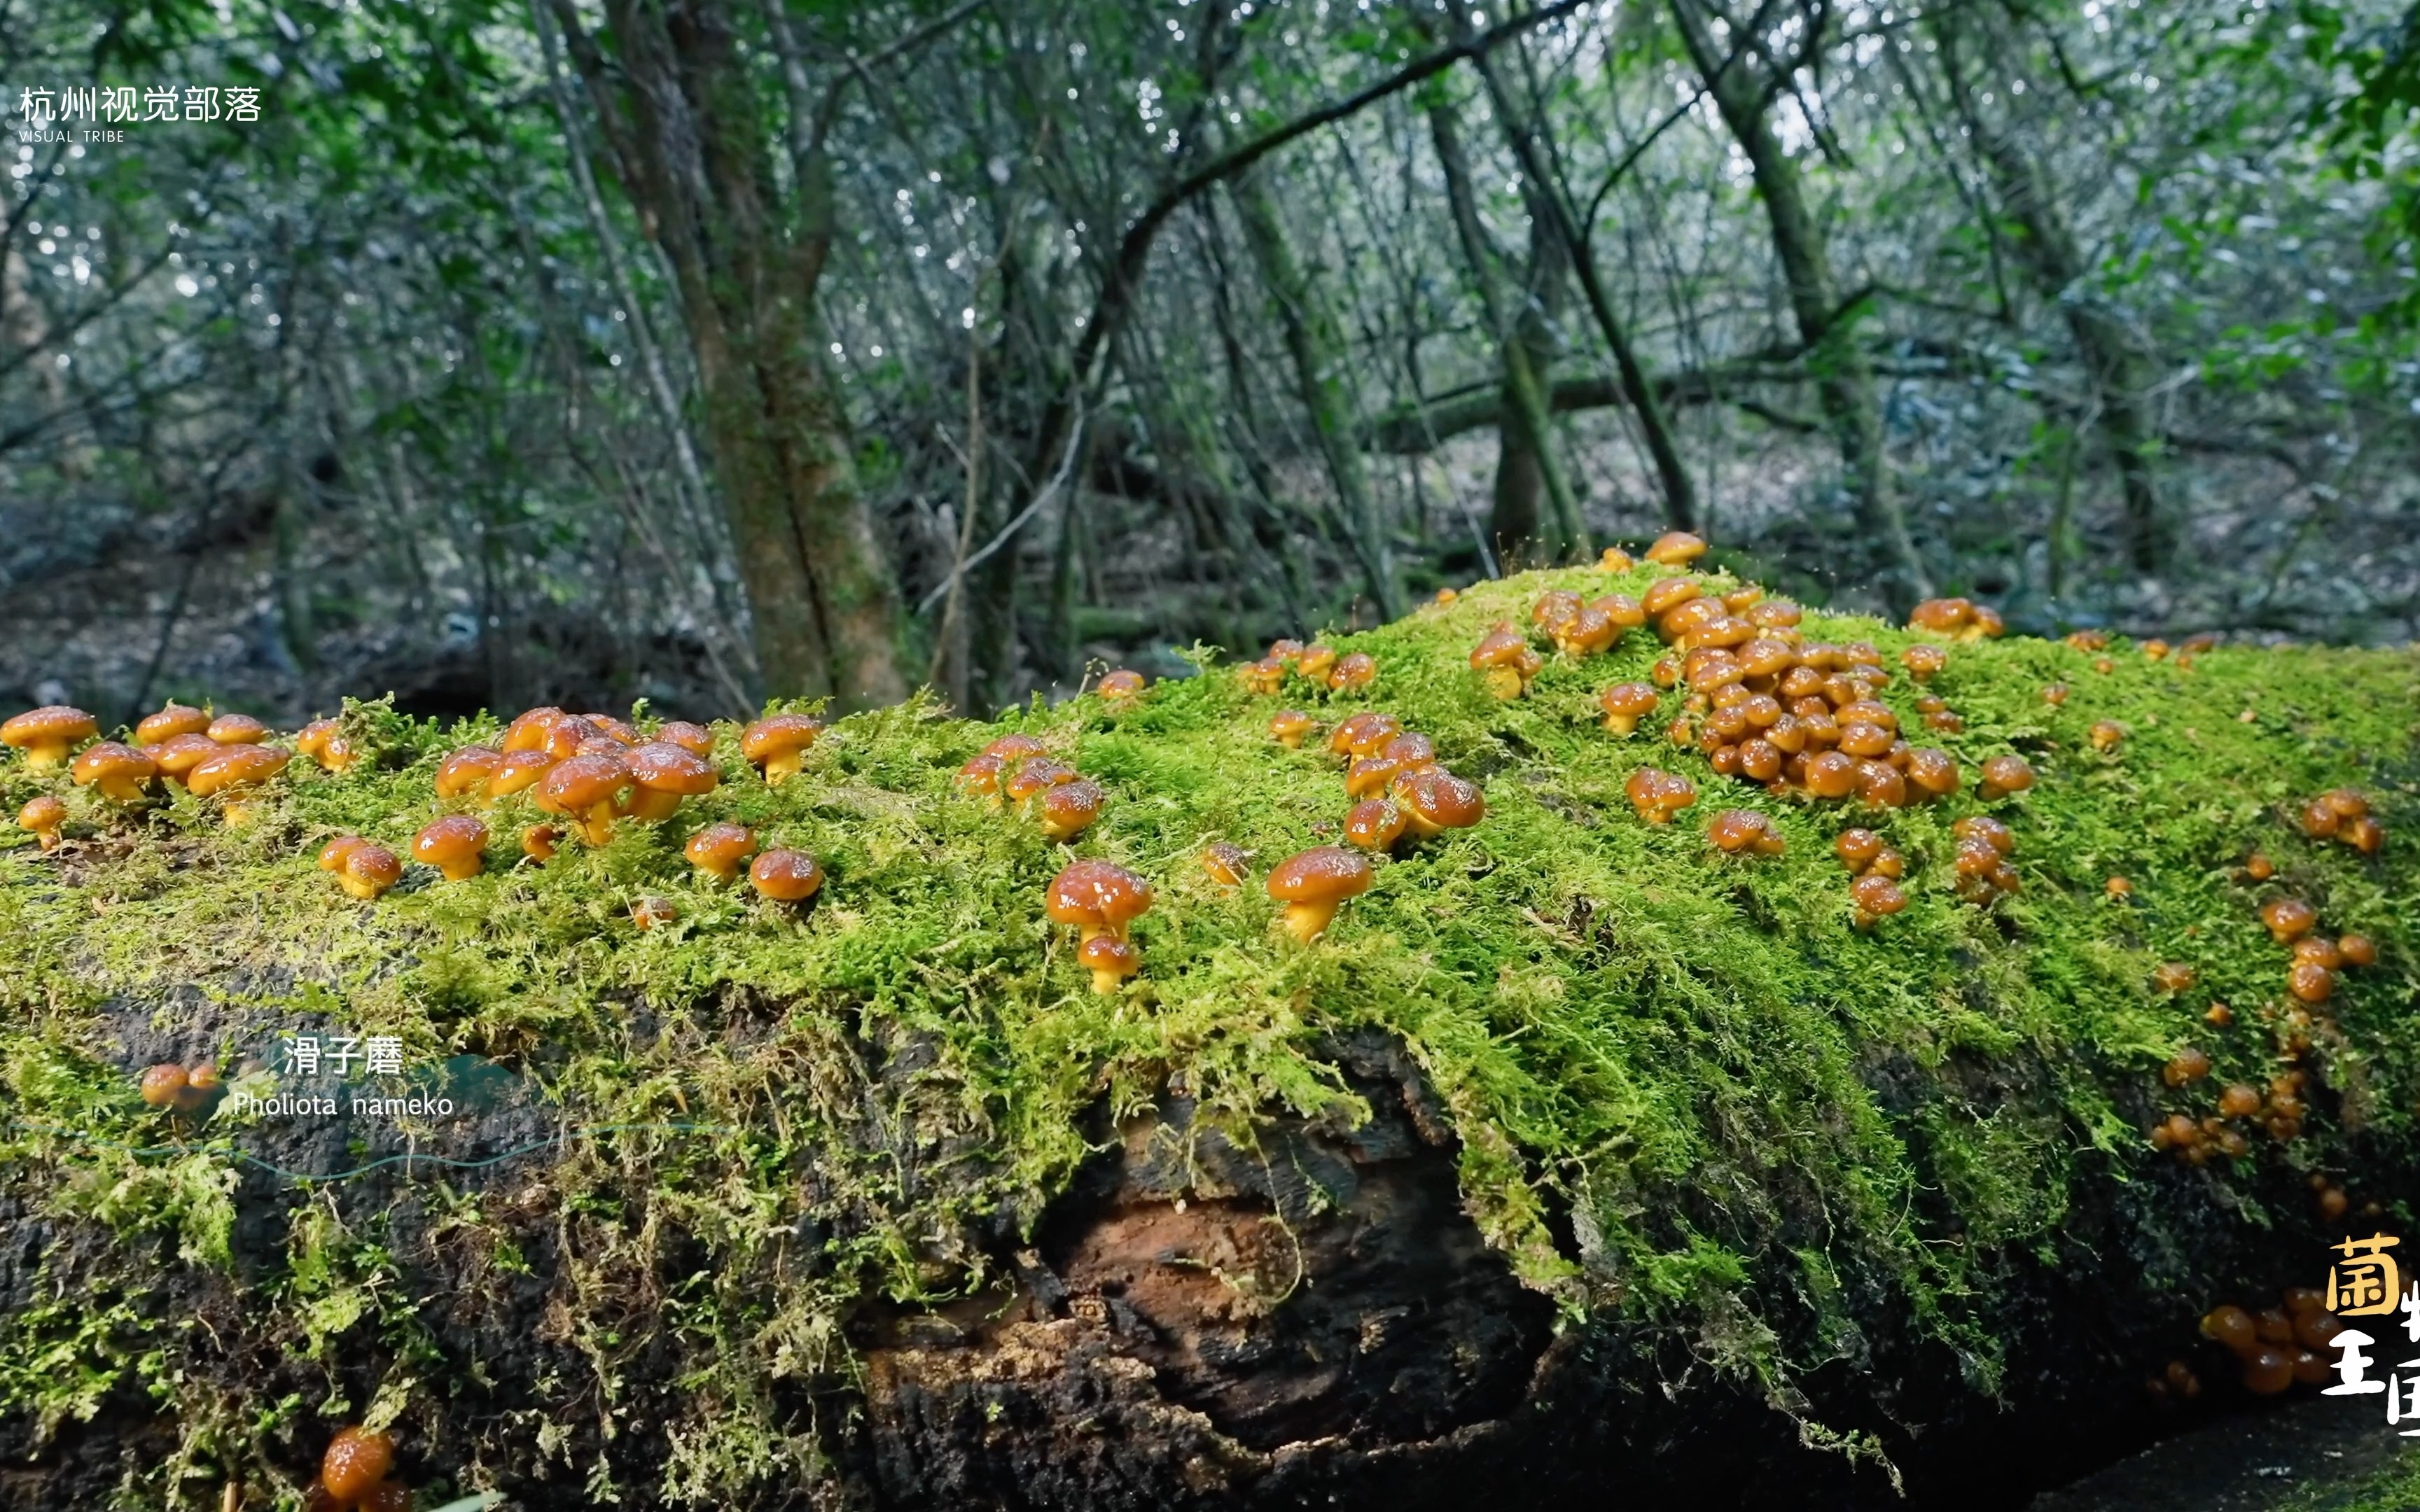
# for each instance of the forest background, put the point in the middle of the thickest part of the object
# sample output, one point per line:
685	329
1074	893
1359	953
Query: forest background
582	351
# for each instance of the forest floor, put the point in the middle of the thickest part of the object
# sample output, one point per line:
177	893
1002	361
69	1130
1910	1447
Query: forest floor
2316	1454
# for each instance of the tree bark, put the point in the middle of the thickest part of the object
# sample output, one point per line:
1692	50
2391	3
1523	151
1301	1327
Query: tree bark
681	116
1844	380
1312	343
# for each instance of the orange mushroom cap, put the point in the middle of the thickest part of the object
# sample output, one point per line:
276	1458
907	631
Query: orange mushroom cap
238	730
1675	548
1120	687
719	849
520	771
455	845
585	789
775	744
1315	884
1068	809
172	719
1226	863
786	876
43	816
356	1461
368	871
695	738
465	771
163	1083
1097	897
47	734
1362	735
1433	800
177	756
1353	672
1374	824
119	771
2004	775
662	773
236	767
1110	959
1288	727
529	728
1625	703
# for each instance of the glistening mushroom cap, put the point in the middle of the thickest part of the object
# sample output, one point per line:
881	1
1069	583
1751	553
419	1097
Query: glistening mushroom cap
786	876
455	845
356	1461
369	870
119	771
720	849
173	719
1675	548
584	789
662	773
1068	809
177	756
236	767
237	730
1110	959
1433	800
47	734
1097	897
464	772
774	743
1313	884
695	738
43	816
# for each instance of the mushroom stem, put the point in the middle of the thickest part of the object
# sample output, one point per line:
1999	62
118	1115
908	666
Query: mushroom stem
653	804
786	763
1306	922
358	887
238	814
1622	724
42	755
595	823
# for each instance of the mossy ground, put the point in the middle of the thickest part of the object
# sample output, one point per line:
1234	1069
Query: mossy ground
1688	1089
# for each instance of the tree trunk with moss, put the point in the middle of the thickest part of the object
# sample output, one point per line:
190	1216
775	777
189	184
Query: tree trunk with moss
681	118
1315	348
1575	1152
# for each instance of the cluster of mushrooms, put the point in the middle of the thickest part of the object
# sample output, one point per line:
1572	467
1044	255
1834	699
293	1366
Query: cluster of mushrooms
2272	1348
356	1475
225	755
1316	665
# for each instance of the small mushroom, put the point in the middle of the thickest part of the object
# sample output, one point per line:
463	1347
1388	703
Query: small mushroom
1932	772
2187	1065
1068	809
173	719
647	911
1314	662
1097	897
237	730
1033	776
1353	672
2174	976
1922	661
695	738
519	771
2288	918
177	756
236	771
776	745
1614	558
2053	694
1265	676
163	1085
357	1460
1225	863
119	772
1658	795
1676	548
2311	982
47	734
43	816
1288	727
1624	705
1110	961
529	728
1374	824
2105	734
455	845
2004	775
464	772
1734	830
662	773
325	742
1363	734
586	790
786	876
541	842
717	849
1433	800
1505	662
1856	849
365	870
1313	884
2357	951
1120	687
1876	897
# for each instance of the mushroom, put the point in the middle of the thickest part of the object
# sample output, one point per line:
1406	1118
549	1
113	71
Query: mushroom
163	1083
1352	672
1315	662
1734	830
1433	800
2288	918
366	871
43	816
1505	662
2174	976
200	1084
1313	884
2004	775
237	730
325	742
2365	834
2311	982
1922	661
1068	809
1265	676
539	842
455	845
615	729
1099	898
1411	750
177	756
980	776
1932	772
586	790
647	911
1658	796
662	773
2186	1065
1876	897
2320	950
786	876
1284	649
1033	776
1982	826
1676	548
1369	776
464	772
47	734
520	771
1110	961
1614	558
1120	687
1856	849
1363	734
357	1461
2357	951
236	771
1288	727
1445	597
695	738
2053	694
1225	864
120	772
1374	824
2105	734
173	719
717	849
529	728
1624	705
775	745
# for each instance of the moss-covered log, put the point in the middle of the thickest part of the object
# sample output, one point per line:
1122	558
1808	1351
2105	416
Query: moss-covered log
1575	1153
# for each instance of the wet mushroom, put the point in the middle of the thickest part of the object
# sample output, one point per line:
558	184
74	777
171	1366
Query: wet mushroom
1097	897
237	730
785	877
1120	687
586	790
173	719
366	871
1876	897
1735	830
719	850
695	738
2105	734
1313	884
519	771
1288	727
1923	662
1353	672
47	734
541	842
120	773
238	772
1624	705
1110	961
662	773
529	728
1068	809
43	816
163	1083
1657	795
356	1461
464	772
777	744
1374	824
177	756
325	742
1676	548
2005	774
455	845
1433	800
2288	918
1226	864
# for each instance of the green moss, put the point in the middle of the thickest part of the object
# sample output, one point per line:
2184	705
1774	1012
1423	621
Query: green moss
1739	1100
